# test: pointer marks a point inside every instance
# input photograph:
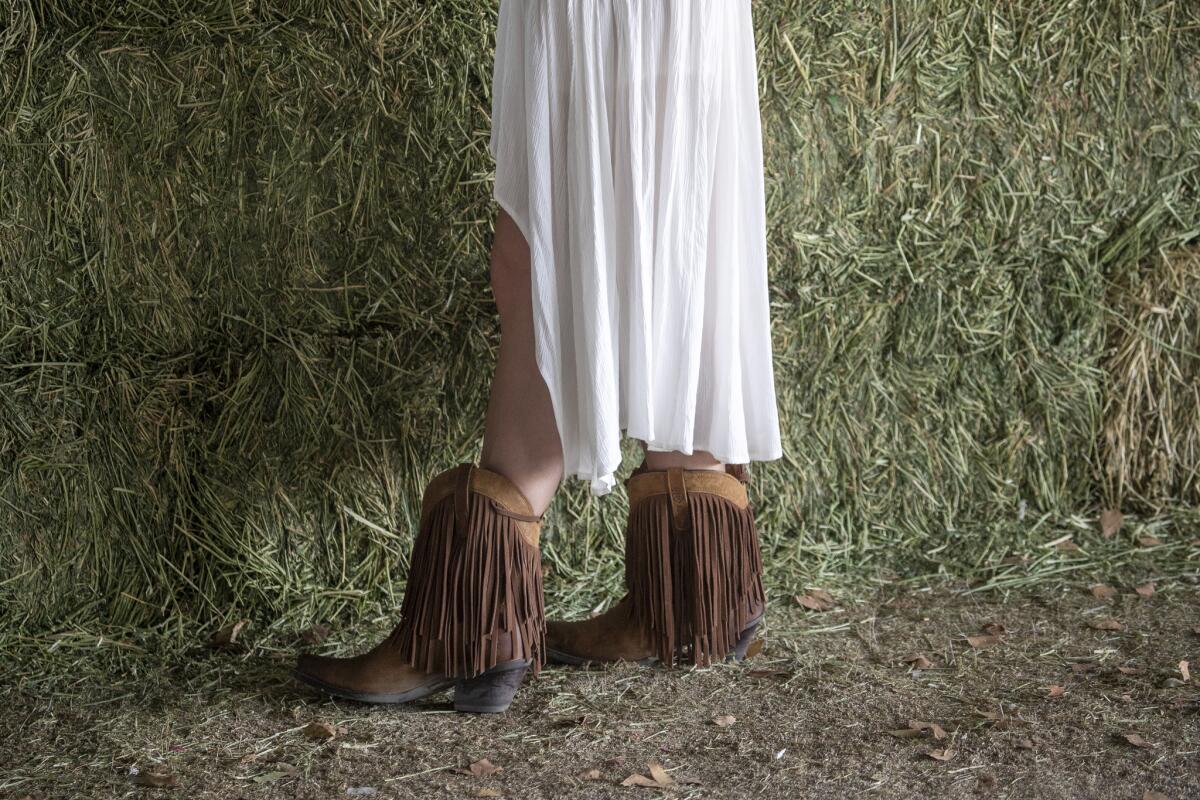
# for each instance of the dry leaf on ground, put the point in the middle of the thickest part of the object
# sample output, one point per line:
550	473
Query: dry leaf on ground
981	640
768	673
592	774
1135	739
816	600
1105	625
994	628
917	728
481	768
657	779
1110	522
724	721
1146	589
227	636
1183	670
1055	691
919	661
162	780
1149	541
487	791
315	635
1102	591
1000	720
320	730
941	755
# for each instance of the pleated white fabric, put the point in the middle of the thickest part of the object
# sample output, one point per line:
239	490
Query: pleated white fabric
628	149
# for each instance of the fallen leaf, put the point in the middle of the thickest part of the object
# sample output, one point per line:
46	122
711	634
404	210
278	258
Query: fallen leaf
1055	691
906	733
994	629
1105	625
658	778
1025	744
919	662
936	730
940	755
918	728
1110	522
1152	795
1136	740
481	769
724	721
1102	591
592	774
979	641
1149	541
1067	544
228	635
755	648
315	635
1146	589
768	673
320	730
659	774
1130	670
274	775
570	722
816	600
1183	670
162	780
487	791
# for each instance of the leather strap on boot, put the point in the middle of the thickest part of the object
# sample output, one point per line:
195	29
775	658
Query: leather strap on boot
474	594
692	562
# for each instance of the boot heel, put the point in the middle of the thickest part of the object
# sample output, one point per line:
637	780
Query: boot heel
743	642
490	692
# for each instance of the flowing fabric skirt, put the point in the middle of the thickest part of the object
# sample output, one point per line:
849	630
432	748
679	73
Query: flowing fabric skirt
628	150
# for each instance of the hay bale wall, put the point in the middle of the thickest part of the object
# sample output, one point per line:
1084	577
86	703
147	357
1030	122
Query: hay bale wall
244	312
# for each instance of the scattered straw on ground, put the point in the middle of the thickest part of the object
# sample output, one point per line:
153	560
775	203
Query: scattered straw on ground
886	698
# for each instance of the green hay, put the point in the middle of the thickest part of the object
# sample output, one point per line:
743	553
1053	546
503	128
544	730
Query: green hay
244	312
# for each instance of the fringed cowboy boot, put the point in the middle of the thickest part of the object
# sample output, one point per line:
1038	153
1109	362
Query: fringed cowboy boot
472	614
693	573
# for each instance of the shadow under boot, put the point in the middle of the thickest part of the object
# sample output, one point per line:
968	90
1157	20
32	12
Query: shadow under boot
472	616
693	575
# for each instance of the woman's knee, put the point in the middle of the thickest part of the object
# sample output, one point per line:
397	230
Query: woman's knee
510	271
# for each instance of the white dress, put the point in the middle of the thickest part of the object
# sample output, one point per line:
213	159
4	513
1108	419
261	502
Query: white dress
628	150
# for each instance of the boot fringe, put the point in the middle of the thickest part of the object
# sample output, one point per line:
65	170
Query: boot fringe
474	594
694	573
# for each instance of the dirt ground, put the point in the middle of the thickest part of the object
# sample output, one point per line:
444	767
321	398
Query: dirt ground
1053	702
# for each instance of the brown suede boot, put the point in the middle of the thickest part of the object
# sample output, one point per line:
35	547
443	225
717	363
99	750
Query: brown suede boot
472	613
693	572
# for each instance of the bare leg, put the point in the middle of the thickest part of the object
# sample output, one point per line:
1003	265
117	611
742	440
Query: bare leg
520	439
699	459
